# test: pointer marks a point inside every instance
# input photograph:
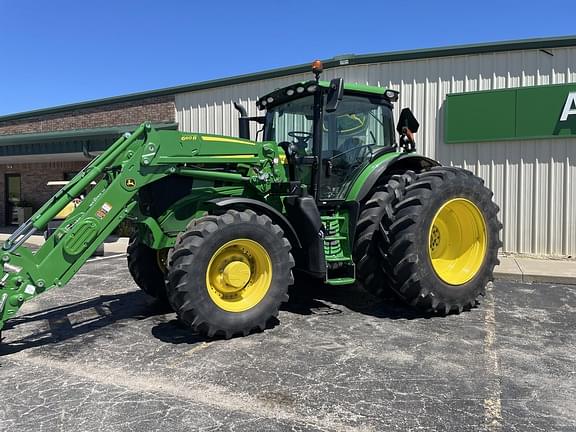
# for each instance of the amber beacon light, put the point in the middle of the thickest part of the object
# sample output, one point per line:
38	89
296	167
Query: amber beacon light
317	67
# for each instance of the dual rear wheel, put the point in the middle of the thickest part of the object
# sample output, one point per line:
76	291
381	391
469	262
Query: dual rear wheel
430	238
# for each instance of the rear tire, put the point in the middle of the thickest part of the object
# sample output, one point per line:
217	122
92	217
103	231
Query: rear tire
229	274
369	269
440	243
145	268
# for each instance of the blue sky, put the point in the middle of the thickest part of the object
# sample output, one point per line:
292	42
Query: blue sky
62	51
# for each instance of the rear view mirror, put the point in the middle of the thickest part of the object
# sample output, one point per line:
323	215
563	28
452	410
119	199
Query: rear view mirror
335	93
407	120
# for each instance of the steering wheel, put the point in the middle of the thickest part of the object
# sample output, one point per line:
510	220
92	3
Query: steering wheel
301	138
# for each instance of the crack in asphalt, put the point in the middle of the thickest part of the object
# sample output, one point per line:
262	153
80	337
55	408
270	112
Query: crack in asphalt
209	394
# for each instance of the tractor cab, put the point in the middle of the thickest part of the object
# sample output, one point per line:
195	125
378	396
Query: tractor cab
330	130
337	141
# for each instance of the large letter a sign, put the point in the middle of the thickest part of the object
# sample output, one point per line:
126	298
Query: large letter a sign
568	110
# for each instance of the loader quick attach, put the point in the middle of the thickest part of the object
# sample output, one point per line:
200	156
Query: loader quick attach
224	224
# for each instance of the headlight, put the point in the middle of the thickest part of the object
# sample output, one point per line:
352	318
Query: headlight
299	89
312	88
290	92
270	99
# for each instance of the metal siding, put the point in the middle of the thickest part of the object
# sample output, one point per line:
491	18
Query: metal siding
533	181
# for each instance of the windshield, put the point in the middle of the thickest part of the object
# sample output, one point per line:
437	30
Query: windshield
358	122
284	120
351	135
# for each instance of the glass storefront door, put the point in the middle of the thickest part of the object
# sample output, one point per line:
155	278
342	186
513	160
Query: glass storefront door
13	197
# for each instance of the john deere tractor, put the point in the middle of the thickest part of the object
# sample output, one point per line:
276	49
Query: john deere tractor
329	190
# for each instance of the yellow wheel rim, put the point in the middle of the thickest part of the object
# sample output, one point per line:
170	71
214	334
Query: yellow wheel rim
239	275
457	241
162	260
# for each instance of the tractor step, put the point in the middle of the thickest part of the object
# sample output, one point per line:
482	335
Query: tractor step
341	281
333	238
330	218
338	259
344	274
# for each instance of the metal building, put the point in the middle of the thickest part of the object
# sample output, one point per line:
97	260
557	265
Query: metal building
534	180
506	111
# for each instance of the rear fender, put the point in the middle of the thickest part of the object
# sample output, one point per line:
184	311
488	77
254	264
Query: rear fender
379	170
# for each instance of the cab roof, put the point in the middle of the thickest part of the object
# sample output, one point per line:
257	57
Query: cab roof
302	88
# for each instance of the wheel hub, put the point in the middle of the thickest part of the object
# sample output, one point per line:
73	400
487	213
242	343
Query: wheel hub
162	260
434	238
236	274
458	241
239	275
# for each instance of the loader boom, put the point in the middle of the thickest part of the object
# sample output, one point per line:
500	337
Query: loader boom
129	164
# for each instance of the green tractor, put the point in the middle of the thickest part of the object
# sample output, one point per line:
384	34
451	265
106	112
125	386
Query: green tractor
329	190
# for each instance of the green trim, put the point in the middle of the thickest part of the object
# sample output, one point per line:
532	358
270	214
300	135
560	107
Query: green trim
513	114
512	139
358	183
76	133
347	60
509	89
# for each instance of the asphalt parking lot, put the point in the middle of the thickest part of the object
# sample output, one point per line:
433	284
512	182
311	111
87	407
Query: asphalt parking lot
99	355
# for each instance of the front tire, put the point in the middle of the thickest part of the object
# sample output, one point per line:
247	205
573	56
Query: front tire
229	274
440	243
147	267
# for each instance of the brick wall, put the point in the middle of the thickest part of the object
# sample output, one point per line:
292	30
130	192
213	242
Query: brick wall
154	109
34	177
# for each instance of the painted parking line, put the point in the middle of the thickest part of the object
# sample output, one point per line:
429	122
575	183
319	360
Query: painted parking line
493	401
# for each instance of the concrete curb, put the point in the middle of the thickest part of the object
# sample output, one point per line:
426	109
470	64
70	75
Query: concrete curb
116	246
532	270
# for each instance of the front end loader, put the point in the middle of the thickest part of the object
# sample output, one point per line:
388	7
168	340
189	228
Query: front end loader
333	190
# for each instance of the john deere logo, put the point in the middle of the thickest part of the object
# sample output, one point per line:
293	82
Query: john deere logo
130	183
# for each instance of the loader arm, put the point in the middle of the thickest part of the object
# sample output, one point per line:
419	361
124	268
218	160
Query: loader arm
132	162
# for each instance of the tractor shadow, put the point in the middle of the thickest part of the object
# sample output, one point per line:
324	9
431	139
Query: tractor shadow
307	297
176	332
311	297
54	325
